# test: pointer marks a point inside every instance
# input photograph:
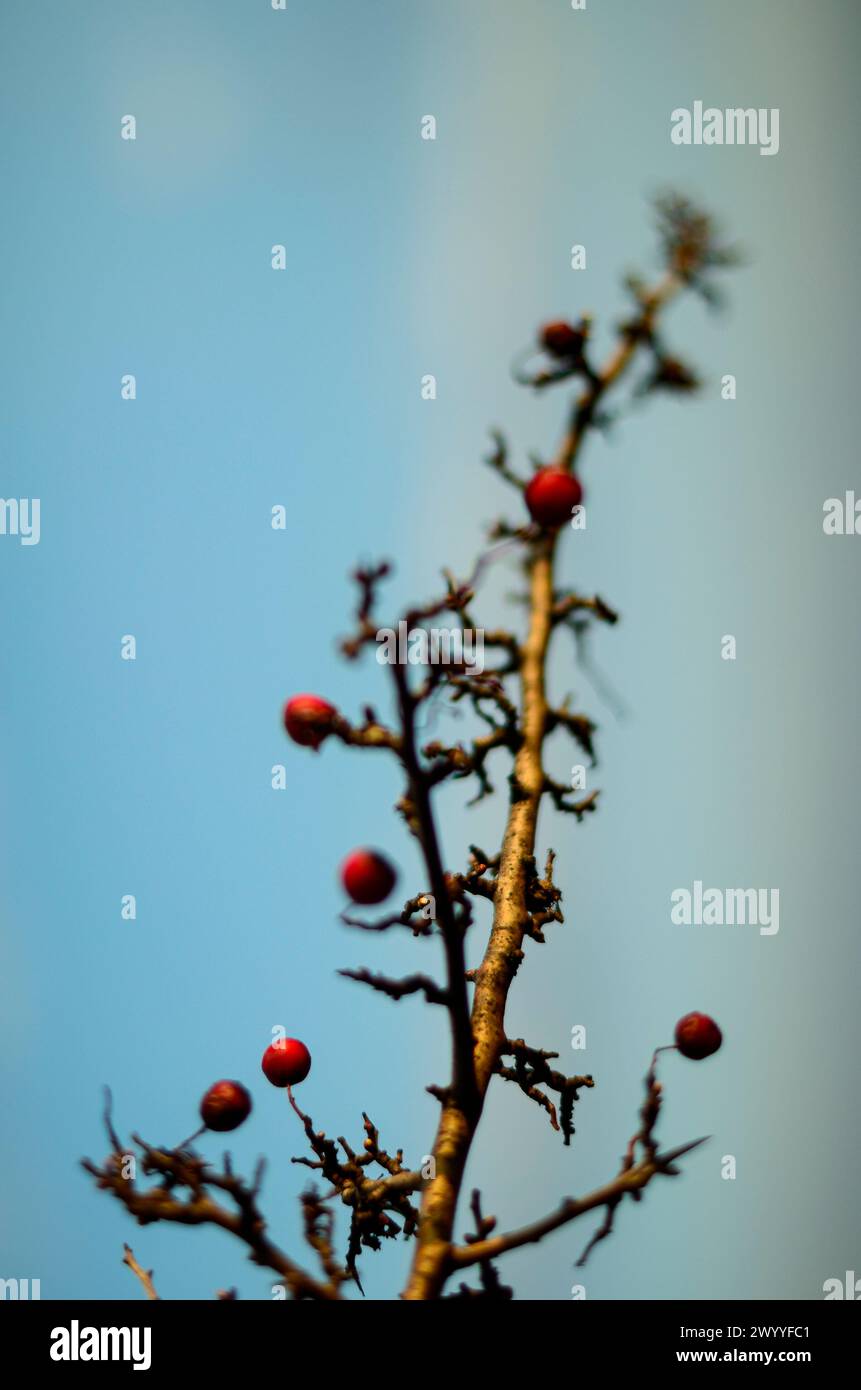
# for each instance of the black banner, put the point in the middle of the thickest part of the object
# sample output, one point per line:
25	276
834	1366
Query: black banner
64	1338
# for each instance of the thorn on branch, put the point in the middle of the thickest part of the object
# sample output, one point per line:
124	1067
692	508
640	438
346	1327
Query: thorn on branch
498	461
560	795
568	603
578	726
107	1119
669	374
397	989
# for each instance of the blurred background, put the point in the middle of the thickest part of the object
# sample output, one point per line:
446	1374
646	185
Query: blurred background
302	388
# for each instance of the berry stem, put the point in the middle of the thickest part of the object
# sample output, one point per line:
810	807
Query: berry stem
294	1105
191	1138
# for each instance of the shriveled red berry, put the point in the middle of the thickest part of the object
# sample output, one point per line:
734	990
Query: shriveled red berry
552	495
224	1106
697	1036
286	1062
308	719
367	876
561	339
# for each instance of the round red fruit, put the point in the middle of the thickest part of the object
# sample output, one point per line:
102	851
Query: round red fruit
308	719
367	876
225	1105
552	495
286	1062
697	1036
561	339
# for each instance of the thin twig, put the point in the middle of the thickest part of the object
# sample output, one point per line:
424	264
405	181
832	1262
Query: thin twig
145	1275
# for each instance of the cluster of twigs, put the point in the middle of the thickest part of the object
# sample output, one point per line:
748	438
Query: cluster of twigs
514	718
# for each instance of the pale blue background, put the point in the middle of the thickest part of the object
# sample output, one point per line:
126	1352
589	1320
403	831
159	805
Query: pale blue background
254	388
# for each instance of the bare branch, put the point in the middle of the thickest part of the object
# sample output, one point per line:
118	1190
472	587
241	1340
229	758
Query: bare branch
531	1070
145	1275
627	1183
180	1171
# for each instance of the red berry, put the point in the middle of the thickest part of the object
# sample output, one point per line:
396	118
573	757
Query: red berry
560	339
367	876
286	1062
308	719
225	1106
697	1036
552	495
